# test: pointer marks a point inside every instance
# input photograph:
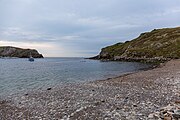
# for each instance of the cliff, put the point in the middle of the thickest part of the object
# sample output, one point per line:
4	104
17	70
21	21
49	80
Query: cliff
157	45
8	51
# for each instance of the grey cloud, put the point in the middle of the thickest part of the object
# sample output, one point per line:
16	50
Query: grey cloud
84	25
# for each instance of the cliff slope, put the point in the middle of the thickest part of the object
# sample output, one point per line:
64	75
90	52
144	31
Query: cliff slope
8	51
157	45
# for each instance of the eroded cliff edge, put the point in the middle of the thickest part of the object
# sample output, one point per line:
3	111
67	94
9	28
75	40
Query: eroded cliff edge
157	45
9	51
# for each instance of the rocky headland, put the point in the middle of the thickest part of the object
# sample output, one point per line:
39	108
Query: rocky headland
159	45
8	51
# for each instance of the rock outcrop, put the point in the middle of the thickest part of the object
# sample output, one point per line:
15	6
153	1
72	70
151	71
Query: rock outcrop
8	51
157	45
170	112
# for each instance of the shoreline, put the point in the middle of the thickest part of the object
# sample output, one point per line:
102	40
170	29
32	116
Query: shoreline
118	72
130	96
154	66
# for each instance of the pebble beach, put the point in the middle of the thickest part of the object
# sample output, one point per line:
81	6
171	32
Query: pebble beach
152	94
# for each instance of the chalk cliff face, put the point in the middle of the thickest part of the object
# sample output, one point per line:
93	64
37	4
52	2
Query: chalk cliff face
8	51
157	45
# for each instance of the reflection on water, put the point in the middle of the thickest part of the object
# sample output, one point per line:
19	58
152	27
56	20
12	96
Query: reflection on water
18	75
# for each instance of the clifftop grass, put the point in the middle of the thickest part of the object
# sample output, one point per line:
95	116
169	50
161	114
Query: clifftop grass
159	43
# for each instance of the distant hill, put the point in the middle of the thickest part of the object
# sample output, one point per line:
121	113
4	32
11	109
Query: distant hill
8	51
157	45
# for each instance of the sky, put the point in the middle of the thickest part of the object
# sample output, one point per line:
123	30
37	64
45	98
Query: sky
80	28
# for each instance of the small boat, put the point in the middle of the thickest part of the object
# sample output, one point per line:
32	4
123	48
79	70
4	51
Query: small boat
31	59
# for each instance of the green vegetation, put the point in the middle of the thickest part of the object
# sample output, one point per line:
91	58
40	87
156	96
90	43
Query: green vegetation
159	44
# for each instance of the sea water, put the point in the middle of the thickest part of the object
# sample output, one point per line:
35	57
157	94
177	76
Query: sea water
19	75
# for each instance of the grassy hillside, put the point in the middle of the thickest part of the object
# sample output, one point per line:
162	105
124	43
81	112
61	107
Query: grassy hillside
159	44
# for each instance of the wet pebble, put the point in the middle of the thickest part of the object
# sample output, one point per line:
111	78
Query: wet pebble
49	88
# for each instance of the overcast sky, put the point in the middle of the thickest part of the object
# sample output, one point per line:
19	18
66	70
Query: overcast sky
64	28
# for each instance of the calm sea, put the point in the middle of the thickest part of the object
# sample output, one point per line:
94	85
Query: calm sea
20	75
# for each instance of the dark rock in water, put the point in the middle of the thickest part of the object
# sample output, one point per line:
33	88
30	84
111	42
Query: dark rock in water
8	51
49	88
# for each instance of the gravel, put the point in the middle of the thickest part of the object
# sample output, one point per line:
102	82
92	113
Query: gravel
146	95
